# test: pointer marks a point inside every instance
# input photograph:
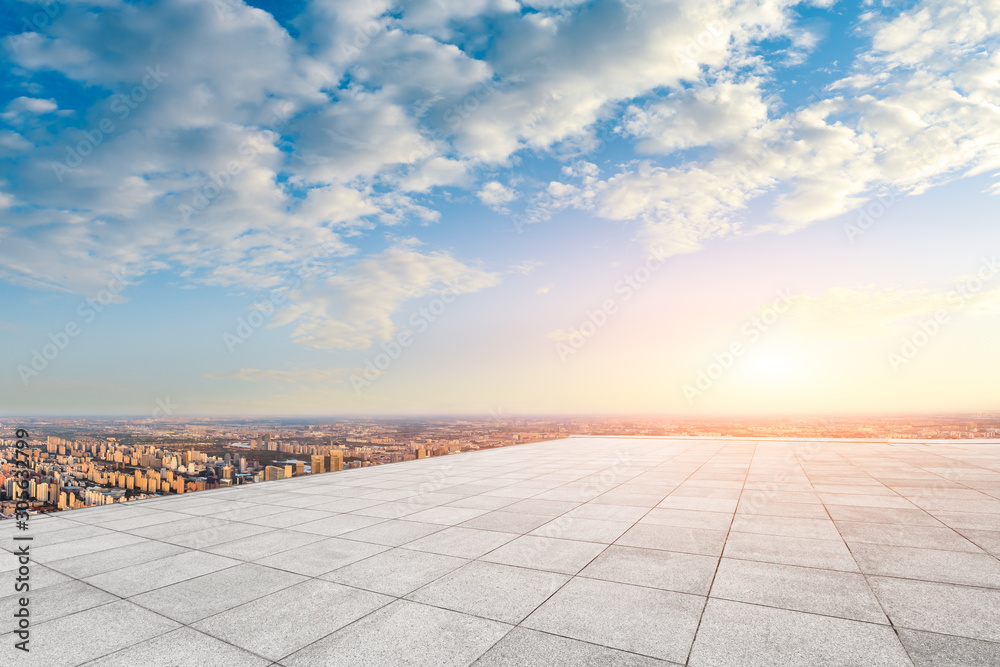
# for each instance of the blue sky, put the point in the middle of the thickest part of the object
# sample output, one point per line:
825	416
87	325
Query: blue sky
285	186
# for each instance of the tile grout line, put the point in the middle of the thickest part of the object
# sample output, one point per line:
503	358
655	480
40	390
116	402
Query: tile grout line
718	563
864	575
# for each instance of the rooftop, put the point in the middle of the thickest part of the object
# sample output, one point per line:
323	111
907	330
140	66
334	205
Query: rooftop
584	551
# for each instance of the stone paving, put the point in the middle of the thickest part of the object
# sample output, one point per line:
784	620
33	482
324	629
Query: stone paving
583	551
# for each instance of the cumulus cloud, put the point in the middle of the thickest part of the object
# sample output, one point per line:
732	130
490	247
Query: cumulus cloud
23	106
901	122
496	195
354	307
713	114
209	140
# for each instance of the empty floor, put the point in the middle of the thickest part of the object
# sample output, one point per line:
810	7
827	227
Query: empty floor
584	551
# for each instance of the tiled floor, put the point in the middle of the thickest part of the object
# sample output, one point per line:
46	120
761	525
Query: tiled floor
584	551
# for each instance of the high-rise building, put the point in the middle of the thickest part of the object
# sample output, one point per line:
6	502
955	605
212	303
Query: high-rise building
272	473
316	464
335	461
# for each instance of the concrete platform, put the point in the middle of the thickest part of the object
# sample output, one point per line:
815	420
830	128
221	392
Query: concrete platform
584	551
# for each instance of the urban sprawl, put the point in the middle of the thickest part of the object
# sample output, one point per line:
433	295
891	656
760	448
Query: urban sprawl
79	462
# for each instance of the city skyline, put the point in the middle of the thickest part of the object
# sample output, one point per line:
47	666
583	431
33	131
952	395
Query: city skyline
72	463
672	208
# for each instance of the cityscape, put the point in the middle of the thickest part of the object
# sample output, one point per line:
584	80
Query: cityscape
499	333
81	462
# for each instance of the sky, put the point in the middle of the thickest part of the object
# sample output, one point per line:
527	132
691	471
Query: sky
683	207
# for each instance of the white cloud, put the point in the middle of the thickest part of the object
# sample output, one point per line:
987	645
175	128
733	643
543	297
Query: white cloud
706	115
437	172
27	105
496	195
238	149
899	123
352	309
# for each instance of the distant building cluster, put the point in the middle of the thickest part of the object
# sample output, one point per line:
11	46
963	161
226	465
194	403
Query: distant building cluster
148	458
81	462
69	474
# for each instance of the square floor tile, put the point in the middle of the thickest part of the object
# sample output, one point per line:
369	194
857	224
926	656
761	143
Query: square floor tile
393	532
462	542
405	633
507	522
674	538
490	590
602	512
181	648
829	592
395	572
135	579
289	518
546	553
82	547
733	633
927	649
528	647
56	601
762	524
446	515
672	571
586	530
198	598
81	567
338	524
924	537
826	554
955	567
651	622
659	516
266	544
282	623
89	634
949	609
319	558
